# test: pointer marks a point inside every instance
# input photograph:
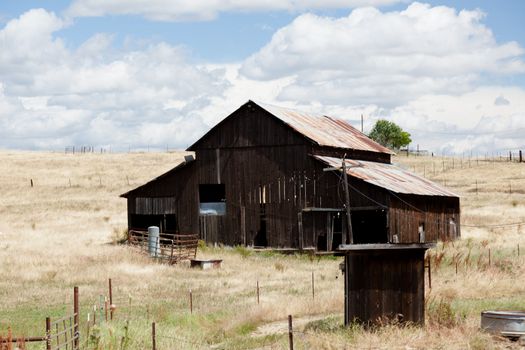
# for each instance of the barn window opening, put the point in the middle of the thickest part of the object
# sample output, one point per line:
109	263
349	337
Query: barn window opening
212	199
165	222
369	226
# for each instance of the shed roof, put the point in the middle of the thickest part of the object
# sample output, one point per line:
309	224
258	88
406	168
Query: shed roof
320	129
389	176
177	168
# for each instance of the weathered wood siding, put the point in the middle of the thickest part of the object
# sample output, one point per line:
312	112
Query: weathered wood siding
407	212
269	177
383	284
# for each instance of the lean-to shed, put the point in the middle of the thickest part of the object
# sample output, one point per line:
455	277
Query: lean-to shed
259	177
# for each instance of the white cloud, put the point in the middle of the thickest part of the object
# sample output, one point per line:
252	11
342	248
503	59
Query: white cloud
52	96
421	68
374	57
183	10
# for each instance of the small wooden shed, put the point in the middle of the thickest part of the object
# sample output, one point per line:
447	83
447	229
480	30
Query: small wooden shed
384	283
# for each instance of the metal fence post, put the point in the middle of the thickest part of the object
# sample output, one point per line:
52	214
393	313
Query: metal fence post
76	312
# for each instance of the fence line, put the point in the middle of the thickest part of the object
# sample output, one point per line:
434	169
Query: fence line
63	332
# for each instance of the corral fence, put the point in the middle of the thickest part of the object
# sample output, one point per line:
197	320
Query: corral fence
169	247
62	333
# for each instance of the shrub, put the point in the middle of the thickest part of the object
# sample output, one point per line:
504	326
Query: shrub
442	314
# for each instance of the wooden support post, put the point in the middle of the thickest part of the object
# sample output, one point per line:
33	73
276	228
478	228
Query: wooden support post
153	336
111	307
48	333
300	229
243	225
76	312
429	275
290	331
257	292
347	204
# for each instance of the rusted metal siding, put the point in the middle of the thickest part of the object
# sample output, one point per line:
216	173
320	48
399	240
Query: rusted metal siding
382	285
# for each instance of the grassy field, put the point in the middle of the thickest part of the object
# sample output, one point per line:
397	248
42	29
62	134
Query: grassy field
63	231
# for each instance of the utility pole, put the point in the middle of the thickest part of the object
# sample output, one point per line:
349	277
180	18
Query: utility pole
347	204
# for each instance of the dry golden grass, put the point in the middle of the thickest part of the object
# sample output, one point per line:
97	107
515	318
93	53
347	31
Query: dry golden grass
60	233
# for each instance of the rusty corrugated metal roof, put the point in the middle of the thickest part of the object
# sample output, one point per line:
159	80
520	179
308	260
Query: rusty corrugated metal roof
389	176
324	130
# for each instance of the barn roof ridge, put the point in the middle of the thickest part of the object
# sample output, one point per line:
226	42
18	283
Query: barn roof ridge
320	129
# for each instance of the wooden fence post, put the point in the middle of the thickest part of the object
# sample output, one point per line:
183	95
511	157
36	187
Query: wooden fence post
191	302
9	338
257	292
76	313
153	336
290	331
111	307
313	286
48	333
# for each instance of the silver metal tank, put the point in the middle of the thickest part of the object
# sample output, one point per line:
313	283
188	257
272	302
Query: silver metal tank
505	323
153	241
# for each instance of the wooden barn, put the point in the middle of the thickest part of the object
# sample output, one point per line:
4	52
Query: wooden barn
268	176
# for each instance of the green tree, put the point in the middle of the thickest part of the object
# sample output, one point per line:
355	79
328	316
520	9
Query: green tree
389	134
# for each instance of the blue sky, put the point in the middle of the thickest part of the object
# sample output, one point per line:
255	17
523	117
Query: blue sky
120	74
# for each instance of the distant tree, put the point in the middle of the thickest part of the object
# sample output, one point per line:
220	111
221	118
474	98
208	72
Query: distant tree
389	134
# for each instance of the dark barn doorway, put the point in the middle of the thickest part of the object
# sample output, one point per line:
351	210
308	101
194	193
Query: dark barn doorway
261	238
165	222
370	226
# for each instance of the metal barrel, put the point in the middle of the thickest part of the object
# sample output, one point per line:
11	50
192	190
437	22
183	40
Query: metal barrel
153	241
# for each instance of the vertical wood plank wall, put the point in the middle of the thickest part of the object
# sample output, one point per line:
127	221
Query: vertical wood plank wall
266	167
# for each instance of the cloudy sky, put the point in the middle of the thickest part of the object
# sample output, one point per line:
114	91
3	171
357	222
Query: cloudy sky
132	74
